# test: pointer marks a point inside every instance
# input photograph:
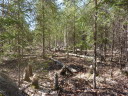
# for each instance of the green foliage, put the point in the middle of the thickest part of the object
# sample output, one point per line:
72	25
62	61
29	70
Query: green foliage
59	24
14	30
7	21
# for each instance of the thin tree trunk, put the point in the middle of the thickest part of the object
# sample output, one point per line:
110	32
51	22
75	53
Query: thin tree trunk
105	44
113	41
95	47
127	41
101	48
67	49
19	60
2	44
43	37
120	43
74	33
65	39
19	43
55	41
49	43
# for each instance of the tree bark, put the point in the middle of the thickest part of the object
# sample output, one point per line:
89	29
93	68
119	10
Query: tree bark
43	29
74	29
95	47
113	41
56	83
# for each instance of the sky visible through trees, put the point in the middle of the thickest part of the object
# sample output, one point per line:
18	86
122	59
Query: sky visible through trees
60	6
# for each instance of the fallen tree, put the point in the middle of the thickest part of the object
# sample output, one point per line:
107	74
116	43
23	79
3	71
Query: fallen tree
57	62
8	87
82	56
100	57
65	69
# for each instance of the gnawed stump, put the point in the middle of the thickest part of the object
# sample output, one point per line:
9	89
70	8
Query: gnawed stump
56	83
35	82
26	75
30	70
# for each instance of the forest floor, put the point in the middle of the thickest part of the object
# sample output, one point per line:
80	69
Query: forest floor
110	80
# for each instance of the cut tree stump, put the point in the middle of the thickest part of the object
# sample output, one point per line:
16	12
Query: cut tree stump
35	82
30	70
56	84
26	75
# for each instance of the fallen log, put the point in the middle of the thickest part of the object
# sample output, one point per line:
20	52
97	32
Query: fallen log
8	87
57	62
25	87
99	59
82	56
65	69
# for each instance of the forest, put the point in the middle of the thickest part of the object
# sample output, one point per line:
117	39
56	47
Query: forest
63	47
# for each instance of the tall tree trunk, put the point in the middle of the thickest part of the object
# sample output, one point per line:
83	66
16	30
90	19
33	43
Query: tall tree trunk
74	29
55	41
113	41
3	13
65	39
19	59
127	42
95	47
9	41
105	44
19	42
120	45
66	36
49	42
2	30
43	34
